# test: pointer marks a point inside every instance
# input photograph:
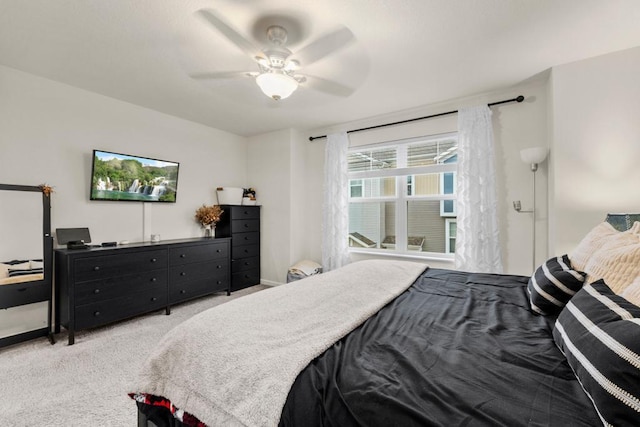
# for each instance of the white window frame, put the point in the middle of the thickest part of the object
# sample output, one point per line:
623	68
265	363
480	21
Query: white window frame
455	208
411	186
359	183
401	198
447	233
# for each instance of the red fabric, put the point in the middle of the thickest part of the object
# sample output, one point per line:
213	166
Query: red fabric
184	417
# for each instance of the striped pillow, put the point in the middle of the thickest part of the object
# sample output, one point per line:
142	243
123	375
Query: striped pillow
25	271
553	284
15	266
599	333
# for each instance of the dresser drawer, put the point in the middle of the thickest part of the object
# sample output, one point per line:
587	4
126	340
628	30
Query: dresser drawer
197	253
244	225
103	312
245	251
114	287
243	264
196	288
201	270
241	239
244	279
98	267
243	212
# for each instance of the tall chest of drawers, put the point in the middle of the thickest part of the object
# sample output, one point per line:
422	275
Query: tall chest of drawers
242	224
98	286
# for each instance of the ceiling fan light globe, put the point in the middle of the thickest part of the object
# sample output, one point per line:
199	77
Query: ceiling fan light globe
277	86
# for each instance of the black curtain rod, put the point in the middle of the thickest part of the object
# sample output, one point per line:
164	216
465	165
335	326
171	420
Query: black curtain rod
518	99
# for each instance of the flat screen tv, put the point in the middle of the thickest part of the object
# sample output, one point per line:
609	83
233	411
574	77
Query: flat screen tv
124	177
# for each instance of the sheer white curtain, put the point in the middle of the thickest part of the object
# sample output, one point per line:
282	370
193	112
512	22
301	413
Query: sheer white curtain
478	240
335	209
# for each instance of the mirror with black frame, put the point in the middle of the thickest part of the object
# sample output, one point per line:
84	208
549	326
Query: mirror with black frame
25	263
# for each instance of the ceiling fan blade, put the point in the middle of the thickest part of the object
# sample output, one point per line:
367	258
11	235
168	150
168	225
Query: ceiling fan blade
221	75
323	46
328	86
229	33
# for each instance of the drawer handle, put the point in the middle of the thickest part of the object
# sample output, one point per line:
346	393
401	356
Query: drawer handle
246	263
218	250
96	291
219	282
182	291
97	313
96	268
246	226
183	255
218	266
153	279
246	212
246	251
153	260
22	289
182	273
246	237
154	299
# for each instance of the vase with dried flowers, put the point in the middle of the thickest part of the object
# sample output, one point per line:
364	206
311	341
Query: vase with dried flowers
208	216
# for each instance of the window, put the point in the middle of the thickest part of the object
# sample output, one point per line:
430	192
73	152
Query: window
355	188
402	196
448	185
451	231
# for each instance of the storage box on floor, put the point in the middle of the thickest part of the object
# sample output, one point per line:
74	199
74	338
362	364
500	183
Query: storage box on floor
302	269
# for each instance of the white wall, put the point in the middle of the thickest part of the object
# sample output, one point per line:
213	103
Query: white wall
48	132
299	195
269	172
595	144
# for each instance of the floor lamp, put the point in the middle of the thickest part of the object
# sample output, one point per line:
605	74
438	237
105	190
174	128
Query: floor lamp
532	156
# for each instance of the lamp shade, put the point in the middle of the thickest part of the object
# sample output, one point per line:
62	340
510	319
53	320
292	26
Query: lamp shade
276	85
534	155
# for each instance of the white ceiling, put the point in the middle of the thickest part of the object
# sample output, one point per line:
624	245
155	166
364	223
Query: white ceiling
405	53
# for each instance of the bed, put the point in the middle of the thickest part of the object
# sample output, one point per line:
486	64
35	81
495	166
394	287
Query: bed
381	343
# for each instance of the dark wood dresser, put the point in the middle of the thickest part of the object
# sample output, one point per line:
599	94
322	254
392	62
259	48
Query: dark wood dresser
97	286
242	224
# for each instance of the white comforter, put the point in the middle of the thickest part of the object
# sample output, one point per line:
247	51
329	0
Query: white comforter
233	365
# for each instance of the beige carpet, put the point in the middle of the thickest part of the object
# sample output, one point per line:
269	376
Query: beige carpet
86	384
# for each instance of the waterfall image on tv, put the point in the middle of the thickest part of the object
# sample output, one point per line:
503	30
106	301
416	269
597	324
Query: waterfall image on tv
124	177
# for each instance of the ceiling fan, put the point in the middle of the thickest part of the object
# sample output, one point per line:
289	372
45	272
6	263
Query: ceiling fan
277	72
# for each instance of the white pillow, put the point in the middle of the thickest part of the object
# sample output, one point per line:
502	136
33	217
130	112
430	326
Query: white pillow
617	262
602	236
4	271
590	244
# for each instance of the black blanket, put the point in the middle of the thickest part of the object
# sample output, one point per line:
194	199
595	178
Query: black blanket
456	349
